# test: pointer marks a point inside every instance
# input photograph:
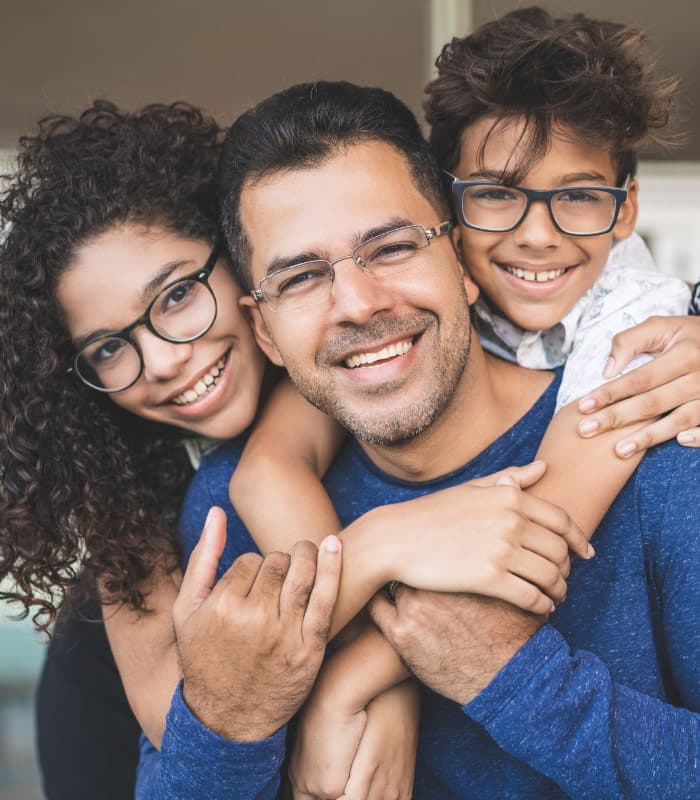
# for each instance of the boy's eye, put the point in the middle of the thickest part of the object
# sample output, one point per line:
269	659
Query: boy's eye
495	194
579	196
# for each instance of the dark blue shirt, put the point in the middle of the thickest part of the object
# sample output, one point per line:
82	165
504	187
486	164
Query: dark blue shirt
601	703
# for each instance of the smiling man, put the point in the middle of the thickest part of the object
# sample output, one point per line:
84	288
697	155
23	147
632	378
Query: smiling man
336	220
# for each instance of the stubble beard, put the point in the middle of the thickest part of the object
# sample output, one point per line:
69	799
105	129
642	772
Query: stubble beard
404	424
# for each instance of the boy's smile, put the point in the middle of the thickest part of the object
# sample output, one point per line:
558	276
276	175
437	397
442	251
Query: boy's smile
535	274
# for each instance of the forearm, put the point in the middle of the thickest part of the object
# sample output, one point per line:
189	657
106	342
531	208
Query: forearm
144	650
583	476
594	737
194	762
359	672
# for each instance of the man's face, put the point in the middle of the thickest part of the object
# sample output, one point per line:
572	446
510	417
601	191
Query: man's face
412	326
509	267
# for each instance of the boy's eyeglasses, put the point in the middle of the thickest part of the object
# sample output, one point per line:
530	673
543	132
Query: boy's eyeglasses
574	210
181	312
311	282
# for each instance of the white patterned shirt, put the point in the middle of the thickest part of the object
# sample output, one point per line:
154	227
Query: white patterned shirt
629	290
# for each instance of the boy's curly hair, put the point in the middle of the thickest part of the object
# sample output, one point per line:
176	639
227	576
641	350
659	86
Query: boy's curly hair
87	491
586	77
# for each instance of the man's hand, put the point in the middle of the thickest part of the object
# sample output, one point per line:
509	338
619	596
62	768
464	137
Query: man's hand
251	645
668	385
455	644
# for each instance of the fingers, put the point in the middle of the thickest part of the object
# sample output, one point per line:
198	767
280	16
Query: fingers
540	572
271	576
558	521
652	336
673	425
523	594
523	477
299	582
200	575
319	610
384	614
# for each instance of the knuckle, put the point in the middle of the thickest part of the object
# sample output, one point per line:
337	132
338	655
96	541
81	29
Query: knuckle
530	598
247	563
277	564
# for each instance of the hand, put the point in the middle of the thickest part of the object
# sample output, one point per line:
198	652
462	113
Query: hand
386	758
251	646
359	754
490	538
669	384
455	644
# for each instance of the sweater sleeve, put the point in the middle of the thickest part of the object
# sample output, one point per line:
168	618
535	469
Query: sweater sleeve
196	764
561	711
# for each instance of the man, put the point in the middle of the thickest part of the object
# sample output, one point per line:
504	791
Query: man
601	702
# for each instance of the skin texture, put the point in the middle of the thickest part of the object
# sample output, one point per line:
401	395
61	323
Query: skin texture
137	255
536	243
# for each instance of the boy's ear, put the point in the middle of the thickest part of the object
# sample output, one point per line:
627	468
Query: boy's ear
627	218
471	288
251	309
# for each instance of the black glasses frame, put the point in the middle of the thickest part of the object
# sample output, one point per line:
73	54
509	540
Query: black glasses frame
458	187
200	275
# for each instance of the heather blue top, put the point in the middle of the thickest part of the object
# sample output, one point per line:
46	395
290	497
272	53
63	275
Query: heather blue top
601	703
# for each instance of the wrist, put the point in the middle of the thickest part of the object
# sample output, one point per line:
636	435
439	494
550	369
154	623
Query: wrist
369	549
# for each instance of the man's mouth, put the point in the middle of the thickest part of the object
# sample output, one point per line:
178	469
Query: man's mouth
534	276
202	385
386	353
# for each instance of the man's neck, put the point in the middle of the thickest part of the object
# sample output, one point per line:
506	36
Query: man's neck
490	398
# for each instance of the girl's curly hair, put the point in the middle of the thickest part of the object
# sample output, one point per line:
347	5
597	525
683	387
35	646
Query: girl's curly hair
591	77
88	492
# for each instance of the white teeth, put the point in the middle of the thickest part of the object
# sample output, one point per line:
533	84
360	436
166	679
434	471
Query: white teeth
390	351
536	277
202	386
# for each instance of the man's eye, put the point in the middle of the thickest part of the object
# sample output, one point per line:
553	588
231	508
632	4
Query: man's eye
302	281
394	251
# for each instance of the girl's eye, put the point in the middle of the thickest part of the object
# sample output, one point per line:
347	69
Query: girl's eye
177	294
107	351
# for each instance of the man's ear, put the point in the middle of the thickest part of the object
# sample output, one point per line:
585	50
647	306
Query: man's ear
262	334
471	288
627	218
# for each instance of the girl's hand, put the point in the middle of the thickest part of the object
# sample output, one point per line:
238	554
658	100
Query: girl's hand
487	537
668	385
358	754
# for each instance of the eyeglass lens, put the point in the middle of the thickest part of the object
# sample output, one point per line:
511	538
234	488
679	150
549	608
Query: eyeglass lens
501	208
182	312
311	283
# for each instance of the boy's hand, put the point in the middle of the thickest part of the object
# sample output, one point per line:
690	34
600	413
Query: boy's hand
357	754
668	385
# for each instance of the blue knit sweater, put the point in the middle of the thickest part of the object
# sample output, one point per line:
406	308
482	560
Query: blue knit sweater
602	702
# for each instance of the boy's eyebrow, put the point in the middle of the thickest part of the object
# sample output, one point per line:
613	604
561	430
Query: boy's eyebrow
593	177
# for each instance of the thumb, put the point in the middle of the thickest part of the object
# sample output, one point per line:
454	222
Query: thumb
522	477
200	575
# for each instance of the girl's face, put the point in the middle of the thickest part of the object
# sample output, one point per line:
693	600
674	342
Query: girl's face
108	285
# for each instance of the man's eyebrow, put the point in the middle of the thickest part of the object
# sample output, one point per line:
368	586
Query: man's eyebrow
282	262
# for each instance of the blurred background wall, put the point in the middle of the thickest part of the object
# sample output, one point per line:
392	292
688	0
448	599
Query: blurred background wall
58	55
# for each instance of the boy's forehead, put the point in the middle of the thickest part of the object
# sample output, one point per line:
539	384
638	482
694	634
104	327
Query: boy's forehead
495	148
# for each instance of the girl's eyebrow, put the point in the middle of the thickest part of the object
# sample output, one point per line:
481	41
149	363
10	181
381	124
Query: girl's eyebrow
151	288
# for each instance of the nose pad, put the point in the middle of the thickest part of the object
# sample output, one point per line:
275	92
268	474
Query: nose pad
356	295
162	360
537	230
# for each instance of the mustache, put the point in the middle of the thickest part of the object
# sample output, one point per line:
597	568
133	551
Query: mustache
356	337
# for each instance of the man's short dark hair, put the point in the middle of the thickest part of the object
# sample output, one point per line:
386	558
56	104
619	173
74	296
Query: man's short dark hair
592	78
303	126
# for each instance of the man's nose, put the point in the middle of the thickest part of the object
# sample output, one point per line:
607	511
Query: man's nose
537	230
357	295
162	360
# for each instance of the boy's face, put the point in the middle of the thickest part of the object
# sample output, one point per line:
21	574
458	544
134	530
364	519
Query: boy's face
536	246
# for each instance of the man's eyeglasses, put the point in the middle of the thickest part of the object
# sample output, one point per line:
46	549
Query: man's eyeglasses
181	312
574	210
311	282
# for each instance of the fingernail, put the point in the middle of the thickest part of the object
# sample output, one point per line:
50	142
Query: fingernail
609	369
590	552
586	405
331	544
685	438
625	449
210	514
588	426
